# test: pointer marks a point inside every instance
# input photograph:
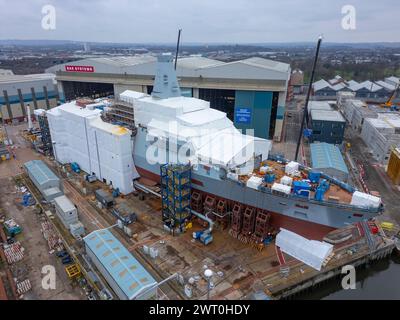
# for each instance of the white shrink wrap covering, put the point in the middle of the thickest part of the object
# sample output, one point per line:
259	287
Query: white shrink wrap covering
281	188
254	182
286	180
264	169
291	167
310	252
362	199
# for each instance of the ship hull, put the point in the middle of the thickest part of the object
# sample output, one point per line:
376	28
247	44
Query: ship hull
301	216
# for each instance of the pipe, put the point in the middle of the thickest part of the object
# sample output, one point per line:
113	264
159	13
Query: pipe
28	109
145	189
203	217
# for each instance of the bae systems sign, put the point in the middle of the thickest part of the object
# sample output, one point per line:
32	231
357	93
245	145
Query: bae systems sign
70	68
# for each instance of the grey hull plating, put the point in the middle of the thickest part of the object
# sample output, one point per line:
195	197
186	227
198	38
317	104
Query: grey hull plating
330	215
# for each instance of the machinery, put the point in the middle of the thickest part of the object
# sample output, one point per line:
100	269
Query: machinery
75	167
90	178
389	103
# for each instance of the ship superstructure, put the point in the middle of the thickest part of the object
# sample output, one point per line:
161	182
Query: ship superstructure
234	177
234	167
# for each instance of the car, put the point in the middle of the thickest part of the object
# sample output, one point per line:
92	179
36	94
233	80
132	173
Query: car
62	254
67	260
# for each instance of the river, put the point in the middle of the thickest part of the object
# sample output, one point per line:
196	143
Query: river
380	280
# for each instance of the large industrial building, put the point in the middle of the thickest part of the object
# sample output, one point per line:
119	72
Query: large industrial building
17	91
44	179
327	158
252	91
327	126
125	275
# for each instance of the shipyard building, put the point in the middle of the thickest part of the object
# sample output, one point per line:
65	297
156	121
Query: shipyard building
17	91
44	179
125	275
251	91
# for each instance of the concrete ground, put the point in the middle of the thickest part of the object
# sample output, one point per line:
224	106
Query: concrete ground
239	269
36	254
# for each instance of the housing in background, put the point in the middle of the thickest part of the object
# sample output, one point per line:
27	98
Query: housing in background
125	275
252	91
327	126
328	159
44	179
17	91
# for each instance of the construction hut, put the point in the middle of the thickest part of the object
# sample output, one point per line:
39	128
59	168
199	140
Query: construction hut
328	159
125	275
44	179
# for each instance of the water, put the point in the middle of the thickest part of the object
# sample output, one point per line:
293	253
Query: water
380	280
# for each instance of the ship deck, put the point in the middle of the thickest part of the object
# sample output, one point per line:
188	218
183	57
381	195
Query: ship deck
335	193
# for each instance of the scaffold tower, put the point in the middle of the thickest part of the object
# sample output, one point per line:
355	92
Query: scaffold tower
175	192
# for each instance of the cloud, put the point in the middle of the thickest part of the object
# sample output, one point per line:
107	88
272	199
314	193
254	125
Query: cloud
237	21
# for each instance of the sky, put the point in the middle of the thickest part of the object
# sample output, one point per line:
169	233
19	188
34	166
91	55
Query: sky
205	21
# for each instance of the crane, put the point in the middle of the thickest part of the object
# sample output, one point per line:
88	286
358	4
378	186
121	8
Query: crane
389	103
307	132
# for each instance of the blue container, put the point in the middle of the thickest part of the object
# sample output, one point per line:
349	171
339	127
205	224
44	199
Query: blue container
75	167
269	178
301	188
319	194
314	176
324	185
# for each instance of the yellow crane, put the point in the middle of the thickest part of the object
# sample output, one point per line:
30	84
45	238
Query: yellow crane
389	103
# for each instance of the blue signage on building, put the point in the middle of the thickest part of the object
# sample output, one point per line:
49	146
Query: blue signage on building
243	115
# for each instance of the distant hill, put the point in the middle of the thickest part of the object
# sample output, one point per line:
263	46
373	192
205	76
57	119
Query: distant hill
40	42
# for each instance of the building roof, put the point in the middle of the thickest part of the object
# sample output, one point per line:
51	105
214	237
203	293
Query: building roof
352	83
325	155
6	72
321	84
392	79
327	115
40	171
385	85
11	78
64	203
192	66
373	87
130	276
318	105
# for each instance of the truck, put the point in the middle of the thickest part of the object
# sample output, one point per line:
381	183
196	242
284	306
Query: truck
124	213
104	198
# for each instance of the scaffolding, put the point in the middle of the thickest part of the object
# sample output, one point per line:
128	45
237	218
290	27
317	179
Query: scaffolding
121	113
47	147
175	192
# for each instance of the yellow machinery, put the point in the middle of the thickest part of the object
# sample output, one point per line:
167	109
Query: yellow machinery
389	103
387	226
393	168
73	271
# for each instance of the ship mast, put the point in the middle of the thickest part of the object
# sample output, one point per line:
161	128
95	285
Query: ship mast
177	47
